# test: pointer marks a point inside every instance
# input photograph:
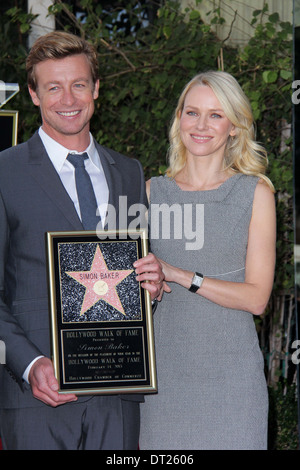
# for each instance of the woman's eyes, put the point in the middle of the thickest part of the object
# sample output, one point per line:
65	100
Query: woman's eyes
194	113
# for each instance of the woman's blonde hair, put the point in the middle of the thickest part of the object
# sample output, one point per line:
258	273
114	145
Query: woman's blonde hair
242	153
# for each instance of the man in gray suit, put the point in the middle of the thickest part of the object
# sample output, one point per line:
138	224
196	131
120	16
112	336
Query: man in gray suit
38	194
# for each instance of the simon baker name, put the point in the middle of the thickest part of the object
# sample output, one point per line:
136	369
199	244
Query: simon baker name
99	275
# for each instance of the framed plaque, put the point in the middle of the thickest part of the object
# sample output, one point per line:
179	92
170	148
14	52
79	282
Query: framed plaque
8	128
101	318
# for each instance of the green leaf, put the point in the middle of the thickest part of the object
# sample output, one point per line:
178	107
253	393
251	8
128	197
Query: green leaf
286	74
194	15
270	76
256	114
256	12
167	31
274	18
24	28
254	94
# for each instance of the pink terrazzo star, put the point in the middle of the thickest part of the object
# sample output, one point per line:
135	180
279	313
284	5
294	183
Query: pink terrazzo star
100	283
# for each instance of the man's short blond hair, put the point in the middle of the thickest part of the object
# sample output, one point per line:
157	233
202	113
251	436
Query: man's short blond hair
58	45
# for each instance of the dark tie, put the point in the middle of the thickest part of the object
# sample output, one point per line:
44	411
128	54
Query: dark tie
85	192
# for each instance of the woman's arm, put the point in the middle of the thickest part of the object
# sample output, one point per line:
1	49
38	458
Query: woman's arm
253	294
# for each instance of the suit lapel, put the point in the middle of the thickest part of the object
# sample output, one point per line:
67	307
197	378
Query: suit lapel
46	176
113	177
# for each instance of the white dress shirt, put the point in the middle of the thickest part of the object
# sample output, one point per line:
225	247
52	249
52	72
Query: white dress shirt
66	171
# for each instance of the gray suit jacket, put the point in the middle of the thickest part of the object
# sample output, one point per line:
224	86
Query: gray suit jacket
33	201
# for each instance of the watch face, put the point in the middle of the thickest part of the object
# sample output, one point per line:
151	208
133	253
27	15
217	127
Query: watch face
197	280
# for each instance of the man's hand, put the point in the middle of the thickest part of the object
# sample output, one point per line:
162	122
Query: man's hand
150	274
44	385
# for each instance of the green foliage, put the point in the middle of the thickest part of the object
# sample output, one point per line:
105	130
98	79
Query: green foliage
14	26
264	69
283	425
139	87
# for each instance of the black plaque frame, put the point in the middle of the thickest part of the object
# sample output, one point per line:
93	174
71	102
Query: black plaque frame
8	128
98	347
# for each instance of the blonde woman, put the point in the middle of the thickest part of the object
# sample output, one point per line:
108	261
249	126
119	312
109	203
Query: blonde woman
218	257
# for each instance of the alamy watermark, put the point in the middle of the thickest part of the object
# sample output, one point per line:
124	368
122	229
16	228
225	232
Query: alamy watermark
187	221
176	221
296	354
2	92
296	93
2	352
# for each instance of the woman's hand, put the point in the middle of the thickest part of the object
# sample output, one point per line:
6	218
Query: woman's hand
175	274
150	274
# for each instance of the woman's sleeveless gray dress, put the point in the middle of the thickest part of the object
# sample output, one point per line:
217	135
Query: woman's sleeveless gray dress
212	391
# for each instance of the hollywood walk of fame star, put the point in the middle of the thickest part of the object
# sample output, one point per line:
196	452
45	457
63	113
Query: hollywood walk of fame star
100	283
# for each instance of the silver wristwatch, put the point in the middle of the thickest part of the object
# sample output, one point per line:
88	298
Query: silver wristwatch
196	282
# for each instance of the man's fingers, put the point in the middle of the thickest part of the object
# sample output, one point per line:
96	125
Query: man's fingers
44	384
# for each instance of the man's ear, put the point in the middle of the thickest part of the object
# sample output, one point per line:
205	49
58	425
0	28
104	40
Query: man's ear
96	89
34	96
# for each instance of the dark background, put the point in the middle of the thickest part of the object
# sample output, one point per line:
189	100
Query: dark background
296	146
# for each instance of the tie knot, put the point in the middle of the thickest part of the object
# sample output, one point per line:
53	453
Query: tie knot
77	160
